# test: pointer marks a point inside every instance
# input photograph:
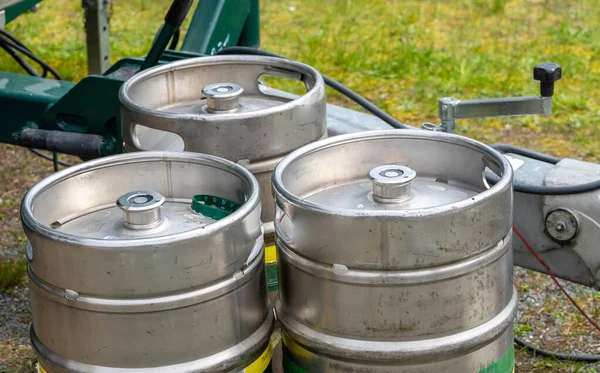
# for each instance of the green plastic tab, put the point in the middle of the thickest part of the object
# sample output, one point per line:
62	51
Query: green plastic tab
213	207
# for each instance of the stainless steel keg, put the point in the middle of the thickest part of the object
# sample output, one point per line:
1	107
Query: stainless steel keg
217	105
395	255
148	262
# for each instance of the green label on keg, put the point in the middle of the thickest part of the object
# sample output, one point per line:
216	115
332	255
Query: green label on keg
271	268
289	365
506	364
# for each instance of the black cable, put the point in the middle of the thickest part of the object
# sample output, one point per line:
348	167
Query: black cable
55	161
24	50
367	105
15	43
47	157
9	48
26	66
175	39
542	190
11	44
571	357
13	38
507	148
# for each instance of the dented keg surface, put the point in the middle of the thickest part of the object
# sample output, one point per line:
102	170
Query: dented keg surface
218	105
395	255
147	262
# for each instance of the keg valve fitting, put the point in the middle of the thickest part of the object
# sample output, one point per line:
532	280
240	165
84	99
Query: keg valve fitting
391	183
141	209
222	97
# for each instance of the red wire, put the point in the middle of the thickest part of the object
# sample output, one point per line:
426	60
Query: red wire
541	260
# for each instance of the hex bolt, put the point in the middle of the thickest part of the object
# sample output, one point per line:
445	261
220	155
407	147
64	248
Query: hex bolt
562	225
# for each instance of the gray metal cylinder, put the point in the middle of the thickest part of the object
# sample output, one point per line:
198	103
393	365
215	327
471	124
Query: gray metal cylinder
395	255
125	276
217	105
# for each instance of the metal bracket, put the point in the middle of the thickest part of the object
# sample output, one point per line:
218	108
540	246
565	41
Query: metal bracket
450	109
97	18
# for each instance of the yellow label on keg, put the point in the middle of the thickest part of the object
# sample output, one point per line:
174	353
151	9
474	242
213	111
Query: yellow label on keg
260	365
270	254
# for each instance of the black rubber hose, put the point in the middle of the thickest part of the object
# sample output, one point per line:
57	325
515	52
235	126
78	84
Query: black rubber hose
83	145
28	53
571	357
12	37
557	191
543	190
26	66
367	105
507	148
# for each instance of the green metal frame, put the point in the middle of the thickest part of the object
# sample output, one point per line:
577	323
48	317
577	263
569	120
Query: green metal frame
222	23
18	9
92	105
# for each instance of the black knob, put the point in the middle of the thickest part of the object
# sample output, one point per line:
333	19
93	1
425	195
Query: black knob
547	73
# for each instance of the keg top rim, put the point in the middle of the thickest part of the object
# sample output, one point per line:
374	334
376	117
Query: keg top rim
272	62
323	205
31	221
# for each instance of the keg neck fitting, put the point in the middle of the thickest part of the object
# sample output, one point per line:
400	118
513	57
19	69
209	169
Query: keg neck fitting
391	183
222	97
141	209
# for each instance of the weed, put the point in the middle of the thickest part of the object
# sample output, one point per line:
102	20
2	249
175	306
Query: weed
12	273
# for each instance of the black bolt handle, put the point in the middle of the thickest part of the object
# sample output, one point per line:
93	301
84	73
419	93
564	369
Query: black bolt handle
547	73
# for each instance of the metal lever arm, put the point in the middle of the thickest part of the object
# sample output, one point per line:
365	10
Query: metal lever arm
451	109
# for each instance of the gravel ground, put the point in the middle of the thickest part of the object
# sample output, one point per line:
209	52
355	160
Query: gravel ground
545	317
15	318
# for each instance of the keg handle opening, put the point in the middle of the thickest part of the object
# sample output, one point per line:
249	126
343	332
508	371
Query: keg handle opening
492	172
391	183
281	75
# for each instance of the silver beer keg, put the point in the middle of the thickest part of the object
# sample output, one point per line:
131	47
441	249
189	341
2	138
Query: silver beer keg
395	255
148	262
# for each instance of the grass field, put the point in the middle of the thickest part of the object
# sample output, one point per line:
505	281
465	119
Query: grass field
402	55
